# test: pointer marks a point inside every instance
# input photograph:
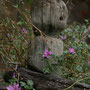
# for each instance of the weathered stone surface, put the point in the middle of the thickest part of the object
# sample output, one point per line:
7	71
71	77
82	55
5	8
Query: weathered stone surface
49	15
41	43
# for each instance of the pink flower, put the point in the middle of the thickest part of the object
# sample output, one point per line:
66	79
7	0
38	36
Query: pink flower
10	88
62	37
24	31
14	87
72	51
47	53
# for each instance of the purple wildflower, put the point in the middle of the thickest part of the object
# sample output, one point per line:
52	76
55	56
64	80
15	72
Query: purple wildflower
62	37
72	51
47	53
13	75
24	31
10	87
14	87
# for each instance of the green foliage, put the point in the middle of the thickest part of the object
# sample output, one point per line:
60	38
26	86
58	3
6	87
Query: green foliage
16	6
14	40
73	65
24	85
28	85
12	81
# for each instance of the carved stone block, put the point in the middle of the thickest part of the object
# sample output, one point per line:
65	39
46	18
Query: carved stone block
41	43
49	15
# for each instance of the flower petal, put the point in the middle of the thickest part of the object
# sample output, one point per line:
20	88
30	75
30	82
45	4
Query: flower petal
10	88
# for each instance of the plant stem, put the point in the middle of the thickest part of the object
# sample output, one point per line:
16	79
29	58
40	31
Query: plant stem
76	82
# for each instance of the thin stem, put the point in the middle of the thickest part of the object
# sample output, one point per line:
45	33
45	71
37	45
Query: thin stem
51	68
76	82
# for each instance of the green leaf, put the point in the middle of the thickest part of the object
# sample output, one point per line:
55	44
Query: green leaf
66	52
46	70
13	57
79	68
83	28
12	81
33	89
20	23
16	6
27	87
30	82
88	36
86	21
88	66
22	84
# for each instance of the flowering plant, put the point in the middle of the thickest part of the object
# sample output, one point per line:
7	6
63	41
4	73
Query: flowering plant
47	53
14	87
72	51
74	63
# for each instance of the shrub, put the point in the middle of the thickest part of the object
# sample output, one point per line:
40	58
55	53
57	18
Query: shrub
74	63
